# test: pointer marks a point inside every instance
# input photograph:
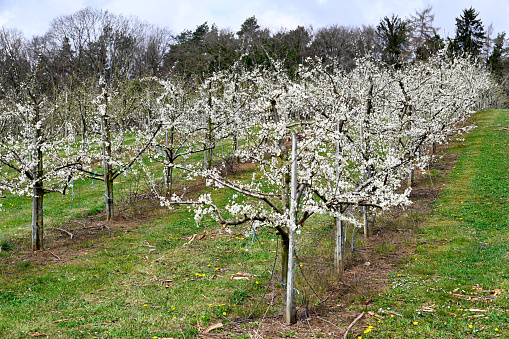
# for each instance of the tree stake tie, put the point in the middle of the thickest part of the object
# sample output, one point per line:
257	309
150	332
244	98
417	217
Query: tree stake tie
95	173
248	246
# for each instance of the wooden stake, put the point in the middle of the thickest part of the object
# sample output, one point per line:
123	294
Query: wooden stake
290	307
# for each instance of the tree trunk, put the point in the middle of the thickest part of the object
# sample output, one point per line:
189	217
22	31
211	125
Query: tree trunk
84	142
366	221
236	146
106	152
168	170
285	245
168	180
207	154
108	189
411	178
37	213
340	245
38	190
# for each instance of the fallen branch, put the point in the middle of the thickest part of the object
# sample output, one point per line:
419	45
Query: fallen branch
190	240
353	324
56	256
78	222
213	327
64	231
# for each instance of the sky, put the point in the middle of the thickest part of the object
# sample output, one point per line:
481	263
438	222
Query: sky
33	17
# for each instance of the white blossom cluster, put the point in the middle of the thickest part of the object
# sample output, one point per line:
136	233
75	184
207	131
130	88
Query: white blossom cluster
360	133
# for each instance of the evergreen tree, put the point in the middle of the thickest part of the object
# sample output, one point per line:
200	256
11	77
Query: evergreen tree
394	35
470	33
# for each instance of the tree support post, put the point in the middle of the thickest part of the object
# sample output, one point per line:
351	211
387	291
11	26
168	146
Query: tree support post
290	307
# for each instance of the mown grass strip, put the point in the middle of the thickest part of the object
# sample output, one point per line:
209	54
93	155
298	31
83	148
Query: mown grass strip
456	285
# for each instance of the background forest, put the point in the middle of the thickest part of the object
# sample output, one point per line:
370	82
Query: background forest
89	42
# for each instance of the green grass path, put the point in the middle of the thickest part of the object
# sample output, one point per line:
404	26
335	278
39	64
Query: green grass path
457	284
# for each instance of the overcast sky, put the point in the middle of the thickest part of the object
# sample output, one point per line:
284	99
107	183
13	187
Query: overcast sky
33	16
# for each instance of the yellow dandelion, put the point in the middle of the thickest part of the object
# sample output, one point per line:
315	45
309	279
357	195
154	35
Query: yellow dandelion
470	326
392	315
224	313
416	323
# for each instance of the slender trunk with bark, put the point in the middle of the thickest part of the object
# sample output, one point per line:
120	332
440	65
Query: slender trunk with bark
37	207
367	229
285	245
168	170
106	152
207	154
411	178
38	190
340	245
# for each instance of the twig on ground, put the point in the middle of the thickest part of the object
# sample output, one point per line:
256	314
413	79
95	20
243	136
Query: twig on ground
56	256
353	324
64	231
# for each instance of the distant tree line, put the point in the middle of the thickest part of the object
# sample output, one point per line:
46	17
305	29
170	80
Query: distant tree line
92	42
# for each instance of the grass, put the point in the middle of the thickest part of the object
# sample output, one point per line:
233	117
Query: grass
456	285
135	285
